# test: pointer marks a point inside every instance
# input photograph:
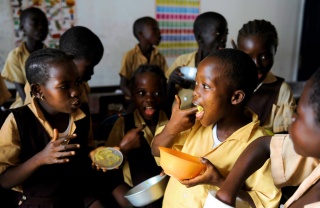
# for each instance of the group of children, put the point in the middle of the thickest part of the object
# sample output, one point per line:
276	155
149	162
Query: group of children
242	101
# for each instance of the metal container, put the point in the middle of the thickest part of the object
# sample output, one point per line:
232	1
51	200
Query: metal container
189	73
148	191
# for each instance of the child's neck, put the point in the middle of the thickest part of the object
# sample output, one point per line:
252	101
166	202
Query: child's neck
33	45
226	126
152	124
146	50
57	120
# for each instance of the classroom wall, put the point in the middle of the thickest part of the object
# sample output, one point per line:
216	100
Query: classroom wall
112	22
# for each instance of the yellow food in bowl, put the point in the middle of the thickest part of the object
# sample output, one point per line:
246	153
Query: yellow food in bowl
106	157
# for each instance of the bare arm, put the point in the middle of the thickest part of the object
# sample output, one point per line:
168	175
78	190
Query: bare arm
20	89
213	177
180	120
124	86
251	159
51	154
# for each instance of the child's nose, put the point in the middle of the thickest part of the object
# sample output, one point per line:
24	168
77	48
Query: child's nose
76	91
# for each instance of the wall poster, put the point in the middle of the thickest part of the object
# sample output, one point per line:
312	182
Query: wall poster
176	19
60	14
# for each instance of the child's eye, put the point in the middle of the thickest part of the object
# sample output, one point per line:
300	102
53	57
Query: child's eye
205	86
141	93
156	93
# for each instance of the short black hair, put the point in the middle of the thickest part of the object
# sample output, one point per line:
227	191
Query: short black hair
239	69
261	28
206	21
32	10
152	68
40	61
314	96
82	43
139	24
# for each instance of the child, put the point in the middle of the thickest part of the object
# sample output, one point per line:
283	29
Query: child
50	168
147	32
134	132
87	50
294	160
224	82
34	23
4	92
272	100
210	30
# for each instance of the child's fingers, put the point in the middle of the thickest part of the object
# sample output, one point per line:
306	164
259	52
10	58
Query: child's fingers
140	127
55	135
190	111
177	103
65	140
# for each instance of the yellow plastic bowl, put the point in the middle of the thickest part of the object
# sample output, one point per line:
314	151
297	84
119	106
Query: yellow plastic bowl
180	165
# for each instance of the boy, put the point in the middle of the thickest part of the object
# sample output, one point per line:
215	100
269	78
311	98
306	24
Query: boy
87	50
147	32
224	82
210	30
34	23
295	160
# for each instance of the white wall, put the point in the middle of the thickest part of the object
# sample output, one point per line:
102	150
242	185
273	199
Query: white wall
112	21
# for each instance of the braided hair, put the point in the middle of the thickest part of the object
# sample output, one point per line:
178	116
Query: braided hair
39	62
261	28
82	43
314	96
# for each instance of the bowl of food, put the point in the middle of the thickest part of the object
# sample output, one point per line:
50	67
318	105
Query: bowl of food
180	165
147	191
108	157
189	73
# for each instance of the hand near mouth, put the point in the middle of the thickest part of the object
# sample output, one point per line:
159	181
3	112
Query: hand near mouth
181	120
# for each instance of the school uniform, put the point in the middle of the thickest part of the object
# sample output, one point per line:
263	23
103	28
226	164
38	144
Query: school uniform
274	103
134	58
117	134
25	133
198	141
4	92
291	169
184	94
14	69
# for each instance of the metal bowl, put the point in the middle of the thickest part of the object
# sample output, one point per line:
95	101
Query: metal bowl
189	73
106	158
148	191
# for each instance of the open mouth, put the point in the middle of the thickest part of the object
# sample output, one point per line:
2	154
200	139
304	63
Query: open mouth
200	112
149	111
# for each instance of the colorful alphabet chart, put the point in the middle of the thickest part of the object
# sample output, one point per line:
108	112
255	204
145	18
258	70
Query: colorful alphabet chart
60	14
176	19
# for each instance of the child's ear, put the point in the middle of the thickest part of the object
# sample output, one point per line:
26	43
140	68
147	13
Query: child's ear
199	38
35	91
237	97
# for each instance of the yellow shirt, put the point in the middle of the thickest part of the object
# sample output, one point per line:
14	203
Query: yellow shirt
198	141
291	169
4	92
282	109
14	69
10	139
117	134
134	58
84	96
184	94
